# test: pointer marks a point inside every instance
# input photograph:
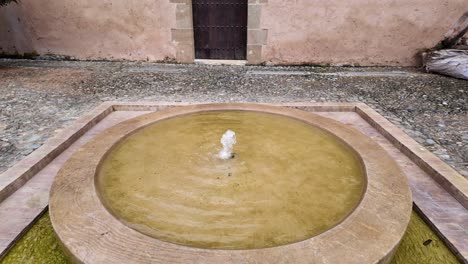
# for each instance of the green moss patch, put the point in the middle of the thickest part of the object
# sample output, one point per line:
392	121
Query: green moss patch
38	245
16	55
419	245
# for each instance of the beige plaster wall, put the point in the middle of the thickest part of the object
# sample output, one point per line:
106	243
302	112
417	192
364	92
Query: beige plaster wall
90	29
360	32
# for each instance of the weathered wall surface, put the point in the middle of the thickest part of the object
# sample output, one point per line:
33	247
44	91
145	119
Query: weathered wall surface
89	29
360	32
338	32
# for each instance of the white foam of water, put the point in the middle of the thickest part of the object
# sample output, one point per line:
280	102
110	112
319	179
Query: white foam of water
228	140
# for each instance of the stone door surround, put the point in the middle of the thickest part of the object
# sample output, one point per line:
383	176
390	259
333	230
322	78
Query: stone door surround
183	37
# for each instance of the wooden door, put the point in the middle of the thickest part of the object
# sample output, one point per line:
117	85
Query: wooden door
220	28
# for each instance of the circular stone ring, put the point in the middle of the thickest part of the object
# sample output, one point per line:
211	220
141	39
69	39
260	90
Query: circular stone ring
90	234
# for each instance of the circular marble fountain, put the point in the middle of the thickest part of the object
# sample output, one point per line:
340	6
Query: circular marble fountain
300	189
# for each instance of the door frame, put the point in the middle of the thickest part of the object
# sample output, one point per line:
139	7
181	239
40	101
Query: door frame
183	36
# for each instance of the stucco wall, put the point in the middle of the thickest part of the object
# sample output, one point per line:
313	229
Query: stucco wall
360	32
90	29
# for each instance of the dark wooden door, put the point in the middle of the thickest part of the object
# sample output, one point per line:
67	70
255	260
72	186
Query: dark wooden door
220	28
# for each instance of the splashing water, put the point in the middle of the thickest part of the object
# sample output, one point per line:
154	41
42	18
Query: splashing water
228	140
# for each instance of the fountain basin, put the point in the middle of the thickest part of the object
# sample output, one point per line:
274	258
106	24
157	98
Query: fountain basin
288	181
367	232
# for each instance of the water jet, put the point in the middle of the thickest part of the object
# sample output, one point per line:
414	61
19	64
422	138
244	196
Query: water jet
228	140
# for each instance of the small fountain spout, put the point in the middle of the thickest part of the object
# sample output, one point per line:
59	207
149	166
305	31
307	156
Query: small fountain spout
228	140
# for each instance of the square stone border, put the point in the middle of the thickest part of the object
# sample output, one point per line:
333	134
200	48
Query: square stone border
447	177
453	182
14	178
387	187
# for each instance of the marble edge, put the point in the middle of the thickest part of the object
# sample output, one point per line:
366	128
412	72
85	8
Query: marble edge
312	106
450	180
443	174
460	255
16	176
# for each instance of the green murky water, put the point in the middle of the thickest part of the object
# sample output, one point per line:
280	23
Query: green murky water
39	245
287	182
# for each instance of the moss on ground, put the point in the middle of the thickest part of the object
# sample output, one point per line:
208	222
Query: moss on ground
16	55
420	245
38	245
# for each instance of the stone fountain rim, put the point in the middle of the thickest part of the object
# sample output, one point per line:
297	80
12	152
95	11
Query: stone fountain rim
370	234
136	130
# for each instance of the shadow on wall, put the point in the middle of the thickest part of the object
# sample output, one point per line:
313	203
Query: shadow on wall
14	28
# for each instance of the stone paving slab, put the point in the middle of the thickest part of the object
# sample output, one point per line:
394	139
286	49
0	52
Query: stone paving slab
154	69
442	211
277	73
369	74
340	74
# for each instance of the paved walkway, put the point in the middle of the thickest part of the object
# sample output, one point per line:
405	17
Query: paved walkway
39	98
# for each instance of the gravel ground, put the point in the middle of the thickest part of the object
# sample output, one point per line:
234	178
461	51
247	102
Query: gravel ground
39	98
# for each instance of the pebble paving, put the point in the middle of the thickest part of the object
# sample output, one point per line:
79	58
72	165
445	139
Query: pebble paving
40	98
